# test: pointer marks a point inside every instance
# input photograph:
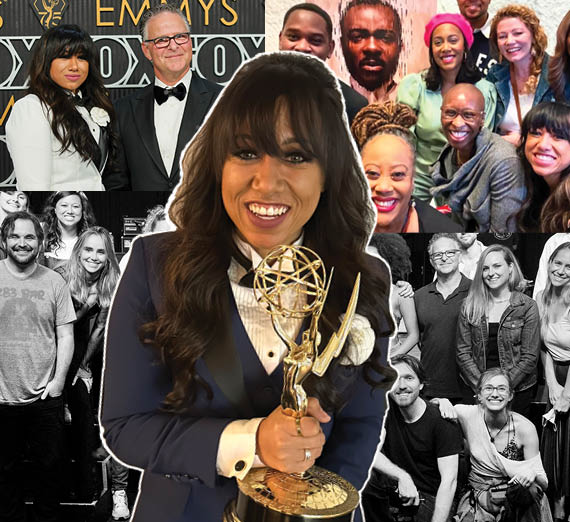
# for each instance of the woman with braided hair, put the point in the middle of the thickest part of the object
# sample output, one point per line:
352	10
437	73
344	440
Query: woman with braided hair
386	143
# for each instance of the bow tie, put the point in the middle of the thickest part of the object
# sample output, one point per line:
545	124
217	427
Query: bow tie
162	94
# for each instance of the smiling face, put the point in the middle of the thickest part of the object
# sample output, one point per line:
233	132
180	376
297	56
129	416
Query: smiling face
389	166
448	47
170	63
370	44
22	245
306	32
462	114
495	393
408	386
466	239
475	11
13	201
496	271
448	262
93	254
514	40
69	211
547	154
269	199
69	72
559	268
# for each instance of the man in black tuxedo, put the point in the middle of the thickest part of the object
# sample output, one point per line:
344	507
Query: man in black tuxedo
156	123
308	29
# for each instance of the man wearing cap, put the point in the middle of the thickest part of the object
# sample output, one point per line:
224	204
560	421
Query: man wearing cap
307	28
475	12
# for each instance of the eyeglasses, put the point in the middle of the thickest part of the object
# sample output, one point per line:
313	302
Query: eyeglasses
488	389
436	256
164	41
451	114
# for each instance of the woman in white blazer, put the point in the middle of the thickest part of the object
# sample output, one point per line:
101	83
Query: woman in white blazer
59	135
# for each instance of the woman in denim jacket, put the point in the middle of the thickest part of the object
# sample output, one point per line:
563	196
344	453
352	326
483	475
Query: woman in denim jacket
499	326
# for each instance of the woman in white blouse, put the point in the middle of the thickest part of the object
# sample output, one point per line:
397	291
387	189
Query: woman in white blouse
59	135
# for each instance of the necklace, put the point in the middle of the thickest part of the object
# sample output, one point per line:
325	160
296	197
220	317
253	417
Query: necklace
496	434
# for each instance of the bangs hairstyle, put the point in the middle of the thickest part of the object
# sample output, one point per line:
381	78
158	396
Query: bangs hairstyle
267	91
79	280
52	225
67	125
475	304
547	297
543	210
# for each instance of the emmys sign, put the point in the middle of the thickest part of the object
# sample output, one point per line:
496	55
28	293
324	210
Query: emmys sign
291	282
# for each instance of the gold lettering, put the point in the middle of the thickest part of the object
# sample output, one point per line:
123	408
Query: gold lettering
230	10
7	110
125	6
185	8
99	10
206	10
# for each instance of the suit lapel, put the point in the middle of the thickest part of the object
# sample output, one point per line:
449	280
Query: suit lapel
197	103
143	112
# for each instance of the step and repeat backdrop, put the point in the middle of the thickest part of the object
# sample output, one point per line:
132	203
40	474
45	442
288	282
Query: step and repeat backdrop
224	34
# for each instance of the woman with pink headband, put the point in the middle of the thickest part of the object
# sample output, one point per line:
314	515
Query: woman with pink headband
448	37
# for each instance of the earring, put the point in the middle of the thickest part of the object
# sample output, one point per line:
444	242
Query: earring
464	56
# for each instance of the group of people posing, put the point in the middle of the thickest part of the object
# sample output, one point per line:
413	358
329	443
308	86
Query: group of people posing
445	151
480	339
52	334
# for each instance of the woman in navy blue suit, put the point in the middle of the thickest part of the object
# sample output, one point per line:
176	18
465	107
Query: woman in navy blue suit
193	371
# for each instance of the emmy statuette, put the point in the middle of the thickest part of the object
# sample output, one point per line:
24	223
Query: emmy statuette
291	282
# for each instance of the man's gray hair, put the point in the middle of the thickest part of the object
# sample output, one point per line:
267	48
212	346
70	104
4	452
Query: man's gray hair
156	10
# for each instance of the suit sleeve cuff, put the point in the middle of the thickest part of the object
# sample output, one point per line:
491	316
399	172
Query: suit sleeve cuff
236	450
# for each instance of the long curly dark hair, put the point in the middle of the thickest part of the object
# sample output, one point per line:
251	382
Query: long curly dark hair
544	210
51	224
468	72
67	124
197	255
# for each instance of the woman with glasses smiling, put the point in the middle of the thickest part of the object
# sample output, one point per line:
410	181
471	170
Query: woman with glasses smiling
498	326
554	306
507	480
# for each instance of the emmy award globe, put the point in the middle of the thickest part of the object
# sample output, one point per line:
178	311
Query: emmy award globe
291	282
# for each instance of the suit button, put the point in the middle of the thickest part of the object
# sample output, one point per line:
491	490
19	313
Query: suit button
240	464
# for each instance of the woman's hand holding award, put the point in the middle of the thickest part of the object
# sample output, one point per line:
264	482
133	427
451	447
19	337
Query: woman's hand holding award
291	283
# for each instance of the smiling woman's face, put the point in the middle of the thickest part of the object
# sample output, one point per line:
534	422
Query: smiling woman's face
547	154
270	199
389	166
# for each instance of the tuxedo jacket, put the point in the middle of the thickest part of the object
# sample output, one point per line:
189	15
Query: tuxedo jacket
178	452
139	165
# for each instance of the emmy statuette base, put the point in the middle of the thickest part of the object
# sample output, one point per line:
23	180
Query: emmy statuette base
267	495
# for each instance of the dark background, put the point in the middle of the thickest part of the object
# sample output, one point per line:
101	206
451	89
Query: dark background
218	48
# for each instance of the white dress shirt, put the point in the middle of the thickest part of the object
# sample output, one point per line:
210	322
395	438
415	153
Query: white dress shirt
167	121
238	440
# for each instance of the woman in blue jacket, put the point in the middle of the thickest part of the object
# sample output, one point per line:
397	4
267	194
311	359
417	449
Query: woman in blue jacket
521	76
499	326
193	372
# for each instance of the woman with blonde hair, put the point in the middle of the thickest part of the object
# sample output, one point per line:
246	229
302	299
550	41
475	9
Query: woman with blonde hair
521	76
559	65
498	326
554	307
